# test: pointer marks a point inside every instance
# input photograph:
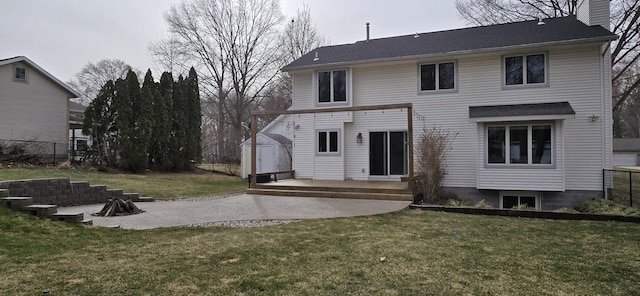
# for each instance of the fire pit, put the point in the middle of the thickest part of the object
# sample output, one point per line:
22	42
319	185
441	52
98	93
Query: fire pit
118	207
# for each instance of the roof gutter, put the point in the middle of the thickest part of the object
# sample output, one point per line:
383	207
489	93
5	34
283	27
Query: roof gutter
460	52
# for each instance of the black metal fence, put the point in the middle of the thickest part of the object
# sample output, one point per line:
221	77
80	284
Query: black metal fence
622	186
32	151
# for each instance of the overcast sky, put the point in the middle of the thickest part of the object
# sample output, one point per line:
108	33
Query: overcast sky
64	35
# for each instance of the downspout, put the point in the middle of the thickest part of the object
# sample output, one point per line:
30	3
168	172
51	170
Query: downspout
605	119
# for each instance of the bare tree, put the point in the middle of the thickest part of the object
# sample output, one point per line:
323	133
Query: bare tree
299	37
93	76
625	21
233	45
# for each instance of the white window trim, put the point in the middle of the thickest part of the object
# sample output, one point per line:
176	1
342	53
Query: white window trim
524	71
529	163
328	153
537	195
438	90
316	96
26	73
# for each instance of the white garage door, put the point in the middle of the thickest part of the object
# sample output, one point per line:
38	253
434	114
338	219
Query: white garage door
624	159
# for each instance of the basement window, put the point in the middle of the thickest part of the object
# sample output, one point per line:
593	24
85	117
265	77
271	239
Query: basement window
514	199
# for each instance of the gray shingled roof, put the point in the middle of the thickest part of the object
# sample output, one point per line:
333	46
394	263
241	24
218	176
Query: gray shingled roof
279	138
626	145
556	30
560	108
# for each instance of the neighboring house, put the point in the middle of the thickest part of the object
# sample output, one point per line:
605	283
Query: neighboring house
625	151
273	148
529	104
78	142
34	107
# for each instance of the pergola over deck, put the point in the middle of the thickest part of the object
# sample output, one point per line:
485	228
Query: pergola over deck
254	127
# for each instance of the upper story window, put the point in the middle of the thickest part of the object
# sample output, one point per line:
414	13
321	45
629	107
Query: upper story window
20	73
519	144
525	70
332	86
437	76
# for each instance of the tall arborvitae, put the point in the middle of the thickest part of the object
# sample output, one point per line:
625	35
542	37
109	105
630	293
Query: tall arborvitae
194	117
99	124
179	126
143	120
157	126
162	125
122	121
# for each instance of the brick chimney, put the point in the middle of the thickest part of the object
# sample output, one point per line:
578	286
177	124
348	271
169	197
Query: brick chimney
594	12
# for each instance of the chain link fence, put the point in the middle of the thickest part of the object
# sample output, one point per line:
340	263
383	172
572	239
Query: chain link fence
622	186
36	152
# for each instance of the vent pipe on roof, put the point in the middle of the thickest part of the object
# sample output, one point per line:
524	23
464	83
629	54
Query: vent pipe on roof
540	21
367	32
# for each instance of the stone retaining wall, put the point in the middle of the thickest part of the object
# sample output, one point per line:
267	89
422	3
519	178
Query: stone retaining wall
62	192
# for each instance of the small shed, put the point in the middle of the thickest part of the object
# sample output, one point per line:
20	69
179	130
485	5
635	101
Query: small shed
273	154
625	151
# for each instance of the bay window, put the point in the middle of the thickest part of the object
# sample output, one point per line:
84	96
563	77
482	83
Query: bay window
519	144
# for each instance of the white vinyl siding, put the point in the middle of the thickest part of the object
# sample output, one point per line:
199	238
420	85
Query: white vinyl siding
36	111
573	76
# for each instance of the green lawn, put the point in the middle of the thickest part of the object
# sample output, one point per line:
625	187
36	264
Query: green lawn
158	185
426	253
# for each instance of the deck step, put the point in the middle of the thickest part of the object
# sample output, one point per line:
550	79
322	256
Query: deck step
68	217
359	189
333	194
42	210
16	202
4	192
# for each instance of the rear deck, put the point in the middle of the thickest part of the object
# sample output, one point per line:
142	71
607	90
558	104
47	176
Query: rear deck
378	190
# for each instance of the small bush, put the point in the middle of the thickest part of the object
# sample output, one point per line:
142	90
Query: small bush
482	205
607	207
459	203
431	164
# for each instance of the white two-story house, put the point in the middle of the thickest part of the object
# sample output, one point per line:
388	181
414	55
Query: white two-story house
34	108
529	104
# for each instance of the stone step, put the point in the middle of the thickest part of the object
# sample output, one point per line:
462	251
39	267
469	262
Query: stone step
145	199
117	193
42	210
334	194
68	217
131	196
16	202
87	222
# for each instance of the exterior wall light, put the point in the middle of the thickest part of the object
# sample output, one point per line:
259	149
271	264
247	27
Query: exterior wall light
359	138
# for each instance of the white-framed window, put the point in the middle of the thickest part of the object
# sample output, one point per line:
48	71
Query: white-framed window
512	199
528	69
519	144
437	76
328	142
332	86
20	73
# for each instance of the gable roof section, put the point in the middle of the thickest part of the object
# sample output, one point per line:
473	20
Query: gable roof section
476	39
41	70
